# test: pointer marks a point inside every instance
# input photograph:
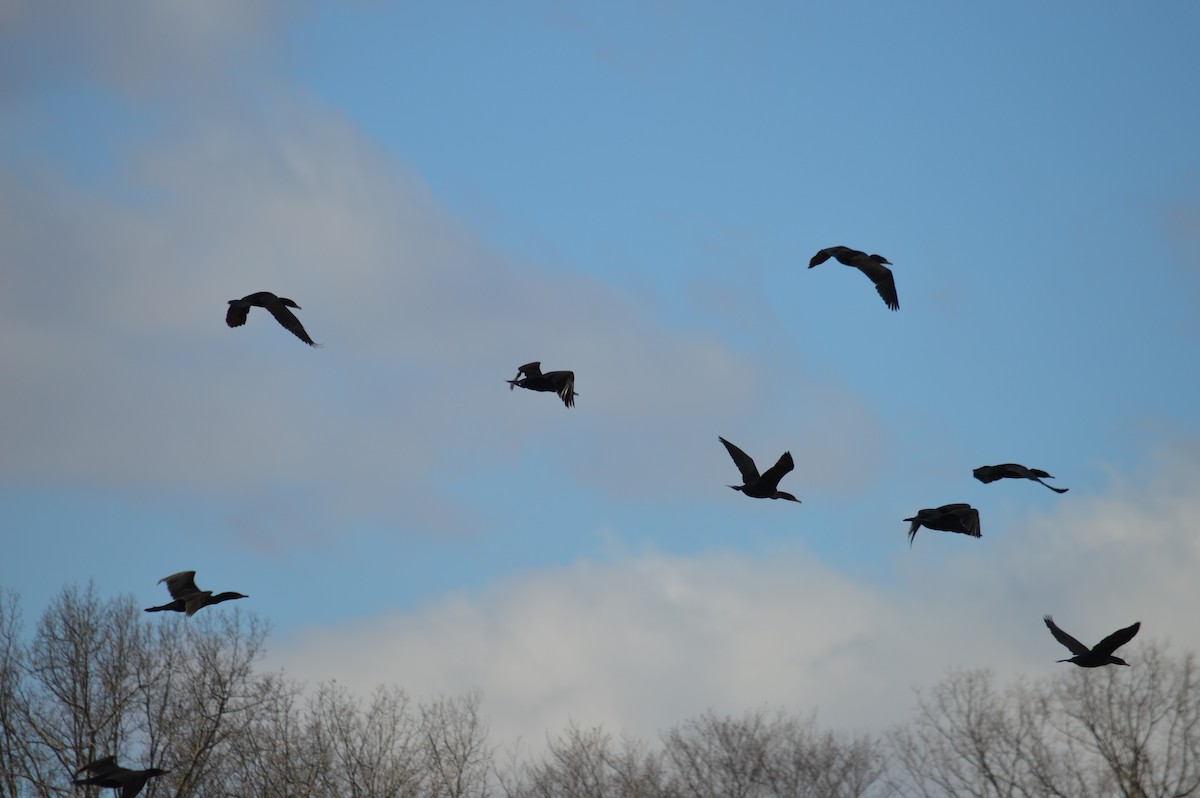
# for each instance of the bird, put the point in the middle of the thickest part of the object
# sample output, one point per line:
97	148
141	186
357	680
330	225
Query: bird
992	473
107	773
561	382
188	597
765	486
870	265
1098	655
278	306
960	518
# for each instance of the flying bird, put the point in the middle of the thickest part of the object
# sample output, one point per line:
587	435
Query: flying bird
765	486
107	773
278	306
561	382
992	473
1098	655
188	597
960	518
870	265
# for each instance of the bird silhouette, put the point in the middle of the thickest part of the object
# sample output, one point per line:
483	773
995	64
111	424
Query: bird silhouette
1098	655
239	310
870	265
188	597
960	518
560	382
107	773
765	486
992	473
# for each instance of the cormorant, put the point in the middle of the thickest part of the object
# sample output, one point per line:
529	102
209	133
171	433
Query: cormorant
107	773
870	265
188	597
1098	655
561	382
960	518
1014	471
278	306
765	486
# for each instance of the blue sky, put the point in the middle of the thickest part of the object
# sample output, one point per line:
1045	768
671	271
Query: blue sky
631	191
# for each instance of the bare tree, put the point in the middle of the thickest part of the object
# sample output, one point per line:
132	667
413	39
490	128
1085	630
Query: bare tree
769	756
586	763
457	758
1129	732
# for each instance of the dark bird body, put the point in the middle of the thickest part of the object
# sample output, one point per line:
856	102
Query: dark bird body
765	486
870	265
987	474
560	382
239	310
188	597
107	773
960	518
1098	655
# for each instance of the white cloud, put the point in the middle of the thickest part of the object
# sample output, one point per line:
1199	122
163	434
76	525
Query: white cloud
126	375
639	643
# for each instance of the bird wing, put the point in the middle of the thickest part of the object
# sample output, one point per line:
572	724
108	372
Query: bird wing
775	473
533	369
181	585
969	519
566	386
99	766
1071	643
289	322
987	474
134	786
196	601
885	283
823	256
236	316
742	461
1117	639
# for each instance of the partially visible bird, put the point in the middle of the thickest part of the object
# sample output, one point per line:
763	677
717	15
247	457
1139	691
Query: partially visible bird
870	265
188	597
1098	655
992	473
107	773
561	382
960	518
765	486
239	310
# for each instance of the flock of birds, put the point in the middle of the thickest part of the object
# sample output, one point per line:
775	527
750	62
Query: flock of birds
960	518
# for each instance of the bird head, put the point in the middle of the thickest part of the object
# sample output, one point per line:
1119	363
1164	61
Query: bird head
779	494
737	487
291	304
881	259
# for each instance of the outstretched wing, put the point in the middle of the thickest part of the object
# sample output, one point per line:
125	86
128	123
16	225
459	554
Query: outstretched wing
885	283
742	461
822	256
1117	639
181	585
1071	643
289	322
775	473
